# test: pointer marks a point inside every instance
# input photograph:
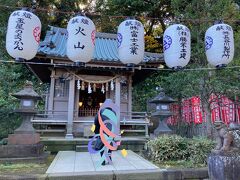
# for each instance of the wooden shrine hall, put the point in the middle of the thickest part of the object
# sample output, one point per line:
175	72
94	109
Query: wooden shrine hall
76	91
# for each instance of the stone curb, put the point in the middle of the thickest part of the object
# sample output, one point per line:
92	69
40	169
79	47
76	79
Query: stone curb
159	174
106	175
40	159
24	177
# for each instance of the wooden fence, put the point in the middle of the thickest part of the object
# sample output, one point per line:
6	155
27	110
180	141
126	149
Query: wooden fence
88	112
190	130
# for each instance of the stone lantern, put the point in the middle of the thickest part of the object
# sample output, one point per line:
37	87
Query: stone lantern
26	134
162	103
25	142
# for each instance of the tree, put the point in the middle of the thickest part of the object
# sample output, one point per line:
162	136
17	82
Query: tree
207	82
160	9
184	84
12	77
151	44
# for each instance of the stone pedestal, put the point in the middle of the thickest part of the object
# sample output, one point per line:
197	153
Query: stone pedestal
224	166
25	134
162	128
20	151
24	143
23	139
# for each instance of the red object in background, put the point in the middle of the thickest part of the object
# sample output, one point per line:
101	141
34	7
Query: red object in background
222	109
186	111
196	110
227	110
173	120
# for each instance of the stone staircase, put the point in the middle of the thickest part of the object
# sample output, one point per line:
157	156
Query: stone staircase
51	130
81	148
55	144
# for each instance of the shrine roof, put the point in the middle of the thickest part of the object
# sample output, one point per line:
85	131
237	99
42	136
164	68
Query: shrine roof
54	45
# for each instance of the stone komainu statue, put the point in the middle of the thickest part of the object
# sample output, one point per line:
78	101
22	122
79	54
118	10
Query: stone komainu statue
228	138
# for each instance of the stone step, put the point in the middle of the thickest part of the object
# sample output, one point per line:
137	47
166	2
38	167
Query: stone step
81	148
55	144
50	130
133	130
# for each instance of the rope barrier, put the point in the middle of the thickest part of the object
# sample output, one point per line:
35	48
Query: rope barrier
120	67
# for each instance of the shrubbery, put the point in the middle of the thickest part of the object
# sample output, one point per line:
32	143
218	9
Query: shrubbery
9	121
174	148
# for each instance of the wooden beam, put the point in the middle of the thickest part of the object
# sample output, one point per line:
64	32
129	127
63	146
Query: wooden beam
118	95
52	89
129	94
71	98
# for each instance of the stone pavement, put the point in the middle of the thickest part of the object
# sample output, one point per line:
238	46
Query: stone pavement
76	164
72	165
72	162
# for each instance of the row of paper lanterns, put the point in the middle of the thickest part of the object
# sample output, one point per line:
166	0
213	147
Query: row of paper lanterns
24	29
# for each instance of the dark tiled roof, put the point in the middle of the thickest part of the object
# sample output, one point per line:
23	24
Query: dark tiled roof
54	44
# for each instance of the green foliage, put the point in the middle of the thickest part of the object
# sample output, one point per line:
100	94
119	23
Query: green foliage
27	168
12	80
152	8
177	148
177	84
207	13
8	122
4	141
168	148
146	90
198	149
187	83
13	76
179	164
151	44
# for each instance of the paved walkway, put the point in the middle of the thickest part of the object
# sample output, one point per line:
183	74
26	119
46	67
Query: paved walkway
71	165
73	162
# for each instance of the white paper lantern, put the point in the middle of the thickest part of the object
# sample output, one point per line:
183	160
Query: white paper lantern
81	39
23	35
177	46
131	41
219	45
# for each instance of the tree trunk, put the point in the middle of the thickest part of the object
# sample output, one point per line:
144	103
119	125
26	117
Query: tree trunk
149	31
206	109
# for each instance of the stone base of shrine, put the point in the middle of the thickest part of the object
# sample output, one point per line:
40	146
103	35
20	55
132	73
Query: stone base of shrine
20	151
20	139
